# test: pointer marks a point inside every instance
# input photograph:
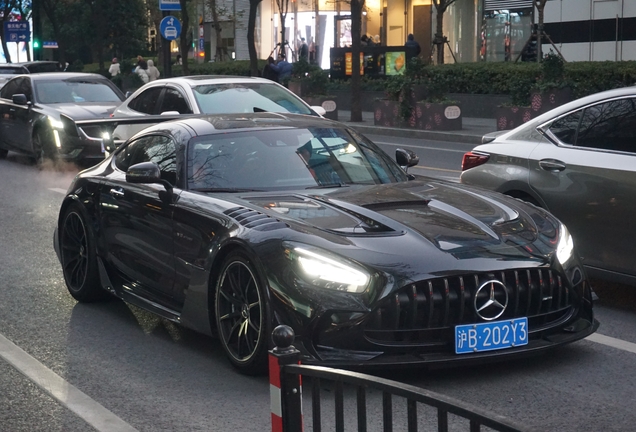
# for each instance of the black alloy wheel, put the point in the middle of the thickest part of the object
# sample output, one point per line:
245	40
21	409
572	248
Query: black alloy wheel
79	261
43	145
241	314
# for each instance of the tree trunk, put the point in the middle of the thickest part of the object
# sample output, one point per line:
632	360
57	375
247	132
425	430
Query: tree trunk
356	28
439	34
251	45
282	32
5	48
540	4
184	46
218	50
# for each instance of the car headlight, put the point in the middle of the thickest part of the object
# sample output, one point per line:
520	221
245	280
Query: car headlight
328	272
565	247
55	124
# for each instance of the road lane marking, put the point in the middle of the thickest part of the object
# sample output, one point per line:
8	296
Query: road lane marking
58	190
420	147
65	393
435	169
612	342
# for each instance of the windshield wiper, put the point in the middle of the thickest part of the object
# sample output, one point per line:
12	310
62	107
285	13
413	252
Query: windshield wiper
220	190
327	186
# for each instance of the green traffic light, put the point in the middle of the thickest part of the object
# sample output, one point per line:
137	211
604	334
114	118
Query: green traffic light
36	44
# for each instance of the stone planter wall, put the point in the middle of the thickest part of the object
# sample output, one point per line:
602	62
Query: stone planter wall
509	117
425	116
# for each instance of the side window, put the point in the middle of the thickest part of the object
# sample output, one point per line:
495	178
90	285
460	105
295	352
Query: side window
146	102
154	148
24	87
565	128
9	89
609	126
173	100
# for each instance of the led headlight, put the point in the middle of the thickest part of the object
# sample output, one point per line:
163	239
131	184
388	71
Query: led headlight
56	124
327	272
565	247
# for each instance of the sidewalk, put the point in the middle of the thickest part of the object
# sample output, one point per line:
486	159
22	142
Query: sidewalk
472	129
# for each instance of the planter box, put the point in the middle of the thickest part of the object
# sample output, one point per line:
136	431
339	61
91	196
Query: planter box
425	116
298	87
509	117
438	116
329	103
542	102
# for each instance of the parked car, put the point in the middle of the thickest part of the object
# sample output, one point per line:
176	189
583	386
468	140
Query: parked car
232	224
30	67
208	95
577	161
31	108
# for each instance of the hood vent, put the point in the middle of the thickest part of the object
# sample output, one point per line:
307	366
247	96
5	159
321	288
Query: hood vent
254	219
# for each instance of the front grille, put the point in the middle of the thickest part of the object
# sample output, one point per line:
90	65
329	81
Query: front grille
426	312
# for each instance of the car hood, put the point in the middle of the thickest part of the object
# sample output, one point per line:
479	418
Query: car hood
84	111
419	218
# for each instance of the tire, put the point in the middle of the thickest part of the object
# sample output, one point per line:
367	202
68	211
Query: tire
241	312
78	256
43	146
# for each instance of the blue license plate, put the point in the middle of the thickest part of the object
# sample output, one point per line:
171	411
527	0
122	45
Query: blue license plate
471	338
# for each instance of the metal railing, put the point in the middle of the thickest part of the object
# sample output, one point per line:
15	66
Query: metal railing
286	396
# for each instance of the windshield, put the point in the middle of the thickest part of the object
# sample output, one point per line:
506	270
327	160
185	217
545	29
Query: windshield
246	98
74	91
277	159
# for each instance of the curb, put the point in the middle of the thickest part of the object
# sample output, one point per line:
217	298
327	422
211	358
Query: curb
458	136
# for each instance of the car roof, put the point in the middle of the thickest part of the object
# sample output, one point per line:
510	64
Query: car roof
64	75
195	80
577	103
220	123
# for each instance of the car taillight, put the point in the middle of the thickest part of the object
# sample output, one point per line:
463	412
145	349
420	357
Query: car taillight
472	159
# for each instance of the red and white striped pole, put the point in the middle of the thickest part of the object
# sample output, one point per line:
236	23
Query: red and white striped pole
285	390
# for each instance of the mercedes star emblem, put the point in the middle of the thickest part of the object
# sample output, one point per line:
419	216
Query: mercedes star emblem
491	300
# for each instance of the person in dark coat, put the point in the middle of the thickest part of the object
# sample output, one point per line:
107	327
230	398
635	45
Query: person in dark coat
413	44
268	70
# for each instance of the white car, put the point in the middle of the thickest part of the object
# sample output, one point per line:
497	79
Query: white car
208	95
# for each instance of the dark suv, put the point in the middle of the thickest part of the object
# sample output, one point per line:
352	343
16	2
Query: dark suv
29	67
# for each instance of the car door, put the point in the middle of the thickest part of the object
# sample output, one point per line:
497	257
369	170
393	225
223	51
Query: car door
589	181
17	121
145	103
137	220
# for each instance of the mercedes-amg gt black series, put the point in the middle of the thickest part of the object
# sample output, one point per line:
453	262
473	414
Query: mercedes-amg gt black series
233	224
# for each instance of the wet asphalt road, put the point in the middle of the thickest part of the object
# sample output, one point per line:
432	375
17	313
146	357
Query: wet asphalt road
150	375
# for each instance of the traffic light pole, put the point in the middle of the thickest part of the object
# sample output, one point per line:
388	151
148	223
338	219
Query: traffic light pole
165	48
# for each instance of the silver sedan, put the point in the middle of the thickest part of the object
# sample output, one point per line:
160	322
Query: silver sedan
579	162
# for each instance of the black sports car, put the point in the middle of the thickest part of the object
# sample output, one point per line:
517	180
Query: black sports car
233	224
33	109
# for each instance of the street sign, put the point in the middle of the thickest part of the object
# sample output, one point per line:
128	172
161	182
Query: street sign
169	5
170	28
49	44
17	31
201	44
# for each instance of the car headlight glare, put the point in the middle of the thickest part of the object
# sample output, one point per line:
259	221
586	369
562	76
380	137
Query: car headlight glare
56	124
565	247
330	273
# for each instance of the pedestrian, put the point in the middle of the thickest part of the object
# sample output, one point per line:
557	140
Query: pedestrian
412	43
303	50
283	68
153	72
178	61
268	70
114	70
142	69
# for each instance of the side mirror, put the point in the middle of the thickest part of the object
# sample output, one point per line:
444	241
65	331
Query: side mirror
19	99
170	113
144	172
406	158
319	110
128	94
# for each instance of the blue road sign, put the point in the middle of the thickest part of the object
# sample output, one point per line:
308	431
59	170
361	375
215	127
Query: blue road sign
201	44
170	28
17	31
173	5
